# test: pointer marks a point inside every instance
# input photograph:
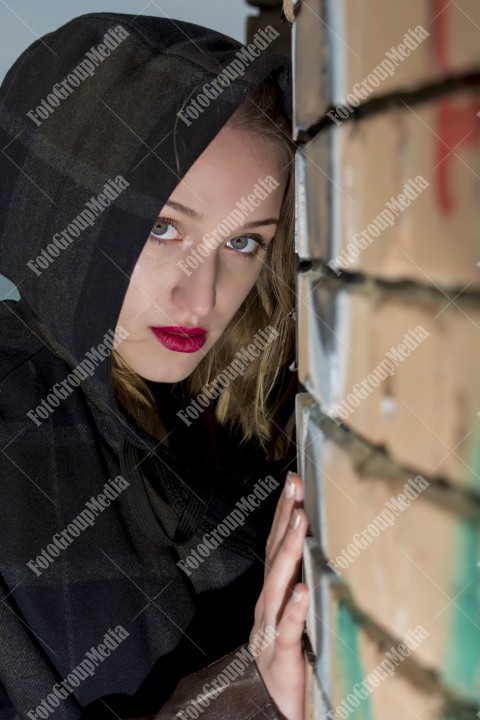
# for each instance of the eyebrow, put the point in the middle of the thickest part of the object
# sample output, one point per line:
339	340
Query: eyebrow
184	209
199	216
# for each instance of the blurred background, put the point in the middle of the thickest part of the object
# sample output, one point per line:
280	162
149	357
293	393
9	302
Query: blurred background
22	21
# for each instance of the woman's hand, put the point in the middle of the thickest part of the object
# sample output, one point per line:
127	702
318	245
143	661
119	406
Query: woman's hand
281	663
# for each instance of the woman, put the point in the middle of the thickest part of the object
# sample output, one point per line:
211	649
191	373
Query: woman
147	222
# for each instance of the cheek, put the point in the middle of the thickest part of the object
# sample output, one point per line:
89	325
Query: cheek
150	272
237	288
149	281
129	307
136	298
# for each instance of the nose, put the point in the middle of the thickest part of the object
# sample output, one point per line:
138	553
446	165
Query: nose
196	292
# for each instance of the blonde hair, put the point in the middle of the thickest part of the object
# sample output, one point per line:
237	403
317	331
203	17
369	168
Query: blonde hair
255	401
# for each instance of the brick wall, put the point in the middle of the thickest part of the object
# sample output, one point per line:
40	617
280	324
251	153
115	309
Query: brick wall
387	117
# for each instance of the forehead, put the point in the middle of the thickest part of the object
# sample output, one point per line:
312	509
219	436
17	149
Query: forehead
229	169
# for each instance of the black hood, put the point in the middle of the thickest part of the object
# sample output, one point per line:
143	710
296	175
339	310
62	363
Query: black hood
73	132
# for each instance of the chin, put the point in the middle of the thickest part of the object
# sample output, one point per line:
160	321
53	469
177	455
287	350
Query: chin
151	367
168	378
164	375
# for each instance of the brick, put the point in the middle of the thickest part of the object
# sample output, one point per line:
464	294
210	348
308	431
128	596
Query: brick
311	77
400	693
311	573
315	704
321	598
313	190
308	461
428	418
349	653
414	565
428	151
343	38
315	340
425	413
329	326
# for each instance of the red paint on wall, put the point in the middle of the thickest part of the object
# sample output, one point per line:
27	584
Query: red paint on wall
456	122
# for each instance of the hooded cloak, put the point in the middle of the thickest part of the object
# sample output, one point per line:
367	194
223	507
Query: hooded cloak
99	121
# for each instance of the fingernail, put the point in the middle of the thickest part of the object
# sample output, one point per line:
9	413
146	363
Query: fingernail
295	521
289	488
297	596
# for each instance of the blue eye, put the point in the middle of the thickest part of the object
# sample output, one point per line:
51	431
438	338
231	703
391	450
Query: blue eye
162	229
247	245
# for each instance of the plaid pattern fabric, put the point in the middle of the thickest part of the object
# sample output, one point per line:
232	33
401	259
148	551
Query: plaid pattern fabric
121	121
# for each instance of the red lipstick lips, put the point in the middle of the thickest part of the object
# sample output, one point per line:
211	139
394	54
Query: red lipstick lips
181	339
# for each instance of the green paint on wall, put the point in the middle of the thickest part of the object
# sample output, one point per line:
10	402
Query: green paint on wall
475	463
462	654
349	663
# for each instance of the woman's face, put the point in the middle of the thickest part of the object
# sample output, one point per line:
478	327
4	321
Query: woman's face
189	287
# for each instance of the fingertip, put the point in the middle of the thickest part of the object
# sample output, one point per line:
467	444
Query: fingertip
290	486
292	624
297	483
300	594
